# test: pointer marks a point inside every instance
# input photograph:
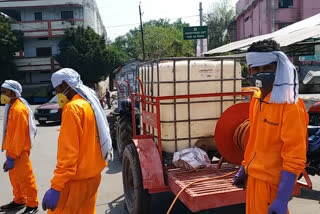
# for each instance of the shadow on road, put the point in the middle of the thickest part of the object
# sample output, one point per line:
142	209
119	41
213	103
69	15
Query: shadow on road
117	206
309	194
162	201
114	166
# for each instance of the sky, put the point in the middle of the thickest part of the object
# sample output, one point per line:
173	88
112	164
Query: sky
119	16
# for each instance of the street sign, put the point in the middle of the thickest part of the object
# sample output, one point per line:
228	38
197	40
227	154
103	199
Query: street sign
196	32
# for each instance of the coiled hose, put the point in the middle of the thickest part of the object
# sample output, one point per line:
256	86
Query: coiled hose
239	141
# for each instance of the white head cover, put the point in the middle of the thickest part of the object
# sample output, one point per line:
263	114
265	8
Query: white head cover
17	88
72	78
286	84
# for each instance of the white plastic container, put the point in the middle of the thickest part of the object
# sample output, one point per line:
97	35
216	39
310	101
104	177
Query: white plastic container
195	118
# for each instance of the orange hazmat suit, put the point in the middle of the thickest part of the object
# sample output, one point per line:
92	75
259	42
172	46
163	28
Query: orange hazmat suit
277	142
17	145
79	165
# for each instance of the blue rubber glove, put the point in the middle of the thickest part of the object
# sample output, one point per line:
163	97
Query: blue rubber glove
9	164
240	179
50	199
280	204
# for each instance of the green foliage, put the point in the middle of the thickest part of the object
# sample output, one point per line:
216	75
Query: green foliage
245	74
10	42
218	19
86	52
161	39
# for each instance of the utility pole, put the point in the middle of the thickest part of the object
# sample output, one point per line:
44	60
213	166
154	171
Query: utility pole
201	40
141	28
272	16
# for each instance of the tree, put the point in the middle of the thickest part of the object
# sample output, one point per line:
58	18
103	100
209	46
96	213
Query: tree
10	42
162	39
86	52
219	17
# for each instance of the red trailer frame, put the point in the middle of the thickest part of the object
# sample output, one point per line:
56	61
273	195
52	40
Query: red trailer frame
202	196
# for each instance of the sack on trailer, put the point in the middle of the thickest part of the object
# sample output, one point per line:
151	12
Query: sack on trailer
191	159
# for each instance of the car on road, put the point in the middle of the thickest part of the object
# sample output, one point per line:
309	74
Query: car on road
49	111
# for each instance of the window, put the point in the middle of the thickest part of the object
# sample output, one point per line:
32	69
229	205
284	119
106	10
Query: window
66	14
38	16
43	52
285	3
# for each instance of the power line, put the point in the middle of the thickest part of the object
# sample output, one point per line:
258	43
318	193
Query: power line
125	25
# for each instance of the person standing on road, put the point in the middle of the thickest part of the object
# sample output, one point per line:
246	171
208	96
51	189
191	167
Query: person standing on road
276	152
19	131
84	146
108	99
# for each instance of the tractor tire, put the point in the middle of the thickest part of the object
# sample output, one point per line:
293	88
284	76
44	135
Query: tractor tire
112	120
136	198
124	134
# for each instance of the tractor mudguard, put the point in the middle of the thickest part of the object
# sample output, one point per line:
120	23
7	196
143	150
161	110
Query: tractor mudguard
150	163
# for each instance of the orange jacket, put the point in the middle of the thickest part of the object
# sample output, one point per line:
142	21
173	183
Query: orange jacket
79	153
277	139
17	137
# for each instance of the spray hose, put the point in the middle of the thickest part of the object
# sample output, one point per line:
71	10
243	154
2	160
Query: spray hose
239	141
197	181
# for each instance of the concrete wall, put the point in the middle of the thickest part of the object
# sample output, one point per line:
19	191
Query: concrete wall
30	46
102	86
251	22
309	8
92	17
85	10
260	15
27	14
38	77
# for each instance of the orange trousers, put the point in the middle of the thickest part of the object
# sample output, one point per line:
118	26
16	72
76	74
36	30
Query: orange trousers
23	181
259	196
78	197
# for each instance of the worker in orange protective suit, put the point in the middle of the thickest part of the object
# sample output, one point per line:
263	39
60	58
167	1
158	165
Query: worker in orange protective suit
84	146
276	152
19	131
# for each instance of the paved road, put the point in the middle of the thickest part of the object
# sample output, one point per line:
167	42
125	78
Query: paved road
110	197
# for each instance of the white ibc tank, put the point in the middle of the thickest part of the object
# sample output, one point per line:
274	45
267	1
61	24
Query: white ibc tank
185	122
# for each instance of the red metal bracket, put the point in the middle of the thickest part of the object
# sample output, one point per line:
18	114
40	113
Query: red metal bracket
128	86
150	163
299	184
117	83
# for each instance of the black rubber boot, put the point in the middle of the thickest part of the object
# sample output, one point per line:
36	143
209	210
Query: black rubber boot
31	210
11	206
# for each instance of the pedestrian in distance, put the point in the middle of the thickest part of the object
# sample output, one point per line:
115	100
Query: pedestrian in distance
108	99
276	152
19	131
84	147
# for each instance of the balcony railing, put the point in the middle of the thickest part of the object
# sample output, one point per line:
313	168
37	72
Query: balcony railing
37	64
46	28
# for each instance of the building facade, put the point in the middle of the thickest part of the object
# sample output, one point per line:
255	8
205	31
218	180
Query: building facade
257	17
43	23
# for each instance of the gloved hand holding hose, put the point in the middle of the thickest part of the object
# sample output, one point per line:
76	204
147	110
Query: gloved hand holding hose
240	178
280	204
